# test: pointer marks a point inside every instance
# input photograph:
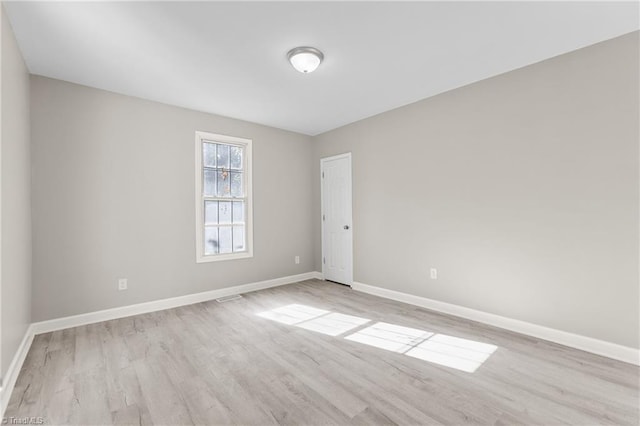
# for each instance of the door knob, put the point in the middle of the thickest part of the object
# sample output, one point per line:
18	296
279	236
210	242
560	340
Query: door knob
346	227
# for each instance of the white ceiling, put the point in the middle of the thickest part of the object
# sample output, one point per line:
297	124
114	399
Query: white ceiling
230	58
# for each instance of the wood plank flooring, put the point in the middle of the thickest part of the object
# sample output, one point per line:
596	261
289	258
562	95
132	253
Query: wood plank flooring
221	363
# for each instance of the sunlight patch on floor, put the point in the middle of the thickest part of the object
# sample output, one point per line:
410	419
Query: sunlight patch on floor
462	354
292	314
390	337
309	318
454	352
333	324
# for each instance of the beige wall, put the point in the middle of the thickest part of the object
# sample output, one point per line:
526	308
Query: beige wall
15	280
521	189
113	196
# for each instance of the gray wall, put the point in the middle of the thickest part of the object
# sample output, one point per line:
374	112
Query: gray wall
113	196
521	189
15	280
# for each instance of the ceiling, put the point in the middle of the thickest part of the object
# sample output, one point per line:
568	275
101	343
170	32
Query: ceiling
230	58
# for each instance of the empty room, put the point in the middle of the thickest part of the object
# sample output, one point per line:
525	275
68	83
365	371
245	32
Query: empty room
314	213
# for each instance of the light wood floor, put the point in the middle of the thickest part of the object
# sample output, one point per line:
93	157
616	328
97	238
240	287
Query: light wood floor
220	363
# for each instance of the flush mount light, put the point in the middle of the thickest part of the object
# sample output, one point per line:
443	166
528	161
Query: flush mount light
305	59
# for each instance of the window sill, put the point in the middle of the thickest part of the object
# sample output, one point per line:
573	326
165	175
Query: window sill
220	257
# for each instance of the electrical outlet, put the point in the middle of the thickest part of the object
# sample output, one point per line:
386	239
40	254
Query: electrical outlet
122	284
433	273
297	260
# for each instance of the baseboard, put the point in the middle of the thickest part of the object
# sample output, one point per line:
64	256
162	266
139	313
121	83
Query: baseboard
588	344
158	305
14	369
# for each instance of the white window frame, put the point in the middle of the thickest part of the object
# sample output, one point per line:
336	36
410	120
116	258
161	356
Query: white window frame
201	137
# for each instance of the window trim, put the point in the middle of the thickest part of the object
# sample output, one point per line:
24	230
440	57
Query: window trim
201	137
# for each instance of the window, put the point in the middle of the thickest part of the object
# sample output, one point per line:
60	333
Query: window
224	228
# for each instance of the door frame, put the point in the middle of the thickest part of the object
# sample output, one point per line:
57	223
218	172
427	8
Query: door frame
322	163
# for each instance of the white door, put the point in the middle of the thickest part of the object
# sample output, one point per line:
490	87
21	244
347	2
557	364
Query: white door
337	235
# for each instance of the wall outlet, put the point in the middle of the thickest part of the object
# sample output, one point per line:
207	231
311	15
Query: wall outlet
433	273
122	284
297	260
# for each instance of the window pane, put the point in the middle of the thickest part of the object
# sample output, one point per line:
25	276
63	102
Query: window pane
236	184
238	238
224	184
223	228
225	239
211	212
224	212
223	156
210	240
238	211
209	154
209	182
236	157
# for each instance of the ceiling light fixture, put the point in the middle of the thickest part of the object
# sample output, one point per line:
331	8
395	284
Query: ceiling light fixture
305	59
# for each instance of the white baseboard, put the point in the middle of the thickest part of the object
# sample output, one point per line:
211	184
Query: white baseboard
158	305
14	370
588	344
